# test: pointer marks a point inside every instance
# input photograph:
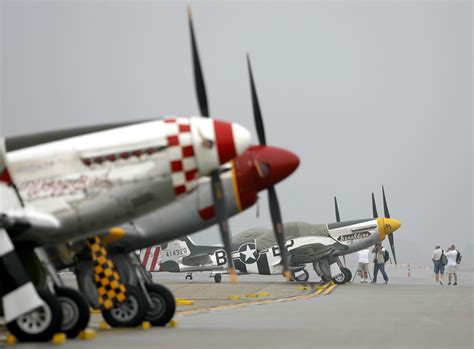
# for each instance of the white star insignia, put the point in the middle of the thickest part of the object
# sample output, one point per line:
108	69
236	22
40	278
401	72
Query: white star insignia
248	253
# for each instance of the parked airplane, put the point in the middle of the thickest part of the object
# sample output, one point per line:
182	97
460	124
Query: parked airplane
255	251
74	184
239	182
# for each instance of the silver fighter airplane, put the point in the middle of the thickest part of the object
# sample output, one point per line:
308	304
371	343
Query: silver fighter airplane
255	250
237	184
74	184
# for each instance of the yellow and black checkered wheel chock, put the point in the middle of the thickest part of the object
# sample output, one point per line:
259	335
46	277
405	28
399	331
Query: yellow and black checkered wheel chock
107	279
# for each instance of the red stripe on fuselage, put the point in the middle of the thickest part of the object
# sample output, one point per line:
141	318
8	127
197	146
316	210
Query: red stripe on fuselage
146	256
155	258
225	141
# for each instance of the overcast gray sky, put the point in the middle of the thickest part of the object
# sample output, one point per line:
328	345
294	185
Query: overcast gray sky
366	93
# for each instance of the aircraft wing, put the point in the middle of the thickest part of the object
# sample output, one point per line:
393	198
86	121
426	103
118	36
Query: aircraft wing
309	249
197	259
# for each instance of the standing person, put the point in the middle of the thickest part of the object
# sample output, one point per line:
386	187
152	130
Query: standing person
380	258
363	267
439	261
452	266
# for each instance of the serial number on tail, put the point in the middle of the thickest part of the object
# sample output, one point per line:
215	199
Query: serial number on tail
177	252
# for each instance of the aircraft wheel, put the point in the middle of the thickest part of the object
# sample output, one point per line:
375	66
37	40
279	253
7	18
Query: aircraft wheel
188	277
347	274
130	312
302	277
218	278
164	305
41	324
75	310
339	278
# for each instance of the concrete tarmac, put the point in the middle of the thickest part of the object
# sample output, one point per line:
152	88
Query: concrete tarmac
409	312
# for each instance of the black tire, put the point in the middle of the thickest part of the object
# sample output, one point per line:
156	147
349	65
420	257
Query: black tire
339	278
218	278
347	274
164	302
75	310
188	277
28	329
301	278
129	313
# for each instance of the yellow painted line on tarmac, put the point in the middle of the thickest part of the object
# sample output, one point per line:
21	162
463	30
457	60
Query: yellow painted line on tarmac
326	287
184	302
233	298
322	288
329	289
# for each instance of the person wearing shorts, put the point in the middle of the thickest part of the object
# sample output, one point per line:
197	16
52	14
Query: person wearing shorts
363	267
452	266
438	265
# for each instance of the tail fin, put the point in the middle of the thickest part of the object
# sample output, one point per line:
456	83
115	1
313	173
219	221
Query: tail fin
149	258
186	239
191	245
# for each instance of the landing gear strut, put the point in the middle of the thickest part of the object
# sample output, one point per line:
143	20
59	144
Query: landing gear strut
331	265
74	307
145	300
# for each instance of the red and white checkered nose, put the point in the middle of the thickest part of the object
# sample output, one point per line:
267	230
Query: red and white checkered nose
216	142
197	146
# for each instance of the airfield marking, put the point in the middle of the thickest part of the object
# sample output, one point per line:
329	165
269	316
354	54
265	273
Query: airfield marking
324	290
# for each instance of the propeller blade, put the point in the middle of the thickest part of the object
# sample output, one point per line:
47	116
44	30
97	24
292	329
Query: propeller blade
217	191
374	207
257	114
278	229
338	218
198	77
221	216
272	196
385	206
387	215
